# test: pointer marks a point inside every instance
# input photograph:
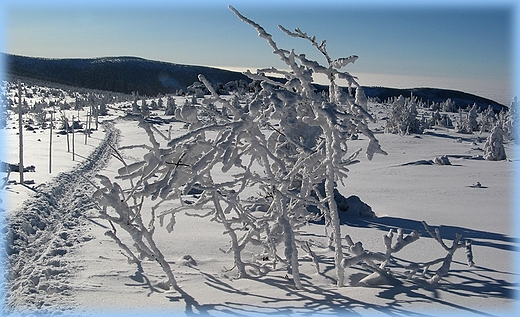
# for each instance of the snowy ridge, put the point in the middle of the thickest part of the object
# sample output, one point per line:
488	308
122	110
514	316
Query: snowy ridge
46	229
117	74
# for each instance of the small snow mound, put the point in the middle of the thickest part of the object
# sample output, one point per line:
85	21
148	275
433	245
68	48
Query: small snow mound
187	260
165	286
354	206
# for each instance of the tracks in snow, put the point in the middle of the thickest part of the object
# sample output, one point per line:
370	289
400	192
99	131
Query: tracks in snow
45	230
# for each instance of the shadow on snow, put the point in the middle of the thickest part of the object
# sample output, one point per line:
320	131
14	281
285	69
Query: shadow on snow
478	237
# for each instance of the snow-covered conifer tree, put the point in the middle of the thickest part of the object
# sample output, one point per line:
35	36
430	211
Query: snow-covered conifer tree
135	106
494	146
448	105
513	118
103	110
488	120
472	118
468	121
145	110
403	117
170	107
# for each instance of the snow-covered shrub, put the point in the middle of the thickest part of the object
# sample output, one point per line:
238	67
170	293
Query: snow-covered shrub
126	212
435	118
258	167
39	114
445	121
353	206
197	90
311	142
283	143
440	119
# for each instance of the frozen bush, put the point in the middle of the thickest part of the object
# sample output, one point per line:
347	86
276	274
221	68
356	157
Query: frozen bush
285	142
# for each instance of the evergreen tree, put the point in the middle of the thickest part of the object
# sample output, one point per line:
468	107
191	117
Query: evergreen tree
494	146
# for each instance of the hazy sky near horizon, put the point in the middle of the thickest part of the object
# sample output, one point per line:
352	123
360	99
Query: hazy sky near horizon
470	42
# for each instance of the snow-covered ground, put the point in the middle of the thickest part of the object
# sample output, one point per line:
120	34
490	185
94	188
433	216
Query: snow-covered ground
67	264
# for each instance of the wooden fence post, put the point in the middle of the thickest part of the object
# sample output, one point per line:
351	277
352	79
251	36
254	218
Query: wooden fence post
50	143
73	153
20	133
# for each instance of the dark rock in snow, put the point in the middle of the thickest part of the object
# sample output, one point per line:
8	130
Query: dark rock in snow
349	208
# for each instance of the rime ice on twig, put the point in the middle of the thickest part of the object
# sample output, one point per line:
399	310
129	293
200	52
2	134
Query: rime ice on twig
446	262
286	142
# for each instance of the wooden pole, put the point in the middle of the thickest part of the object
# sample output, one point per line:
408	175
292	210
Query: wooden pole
90	121
86	129
67	131
20	133
98	108
73	153
50	143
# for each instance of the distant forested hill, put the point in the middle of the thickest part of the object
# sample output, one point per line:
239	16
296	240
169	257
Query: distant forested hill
149	78
119	74
429	95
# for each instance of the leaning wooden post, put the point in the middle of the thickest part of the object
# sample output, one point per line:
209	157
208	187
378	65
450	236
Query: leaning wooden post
20	133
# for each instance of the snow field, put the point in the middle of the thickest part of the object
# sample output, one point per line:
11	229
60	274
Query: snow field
82	270
401	195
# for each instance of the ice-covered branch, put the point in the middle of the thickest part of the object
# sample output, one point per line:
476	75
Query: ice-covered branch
446	262
262	33
110	197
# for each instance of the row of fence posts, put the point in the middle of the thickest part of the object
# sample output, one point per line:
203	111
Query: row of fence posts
87	131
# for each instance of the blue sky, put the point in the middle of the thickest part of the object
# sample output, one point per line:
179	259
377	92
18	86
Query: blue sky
453	43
